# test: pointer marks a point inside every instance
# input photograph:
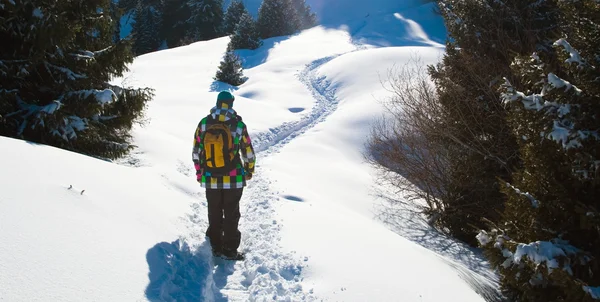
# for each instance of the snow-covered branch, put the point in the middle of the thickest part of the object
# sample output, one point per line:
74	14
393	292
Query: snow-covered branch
554	254
575	57
90	55
562	129
69	73
557	82
103	97
534	202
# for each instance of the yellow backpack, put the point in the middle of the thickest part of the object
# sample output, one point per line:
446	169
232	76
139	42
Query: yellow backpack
219	152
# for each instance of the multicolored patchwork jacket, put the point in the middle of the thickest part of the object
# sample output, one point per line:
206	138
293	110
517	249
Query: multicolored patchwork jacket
241	140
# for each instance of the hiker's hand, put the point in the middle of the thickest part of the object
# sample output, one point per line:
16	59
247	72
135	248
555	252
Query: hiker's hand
248	176
199	174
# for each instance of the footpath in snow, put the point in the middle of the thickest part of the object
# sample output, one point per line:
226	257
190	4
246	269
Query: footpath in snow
315	243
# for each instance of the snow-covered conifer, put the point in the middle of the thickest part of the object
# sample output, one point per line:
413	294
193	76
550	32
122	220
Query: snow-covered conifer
233	15
146	29
55	73
174	22
277	18
547	245
206	19
307	18
245	35
230	70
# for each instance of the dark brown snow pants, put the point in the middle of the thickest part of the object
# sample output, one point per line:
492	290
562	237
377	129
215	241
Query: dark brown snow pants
223	218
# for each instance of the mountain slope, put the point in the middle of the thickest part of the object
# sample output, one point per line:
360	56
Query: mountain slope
378	23
86	243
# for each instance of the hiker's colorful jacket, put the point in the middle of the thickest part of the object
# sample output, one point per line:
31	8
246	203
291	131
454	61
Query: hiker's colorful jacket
241	140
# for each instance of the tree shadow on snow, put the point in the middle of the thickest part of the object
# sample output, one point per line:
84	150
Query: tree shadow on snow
180	273
253	58
416	24
469	263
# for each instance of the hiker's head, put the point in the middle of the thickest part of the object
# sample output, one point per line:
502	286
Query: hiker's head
225	100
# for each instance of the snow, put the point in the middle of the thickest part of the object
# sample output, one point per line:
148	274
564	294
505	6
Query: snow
561	133
593	291
103	97
61	245
68	72
557	82
315	223
50	108
38	13
483	238
534	202
543	251
90	55
554	254
574	56
376	23
562	130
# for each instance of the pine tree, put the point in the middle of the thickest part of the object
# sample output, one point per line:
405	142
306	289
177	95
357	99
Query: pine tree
174	24
245	35
128	5
146	29
57	58
206	20
230	70
548	244
115	13
277	18
233	15
307	18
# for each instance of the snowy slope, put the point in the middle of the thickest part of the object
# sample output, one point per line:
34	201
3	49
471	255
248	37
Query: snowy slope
311	223
377	22
87	243
328	202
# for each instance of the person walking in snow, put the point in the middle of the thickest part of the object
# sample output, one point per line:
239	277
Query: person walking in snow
220	138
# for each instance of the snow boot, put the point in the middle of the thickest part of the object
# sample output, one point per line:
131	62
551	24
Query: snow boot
233	255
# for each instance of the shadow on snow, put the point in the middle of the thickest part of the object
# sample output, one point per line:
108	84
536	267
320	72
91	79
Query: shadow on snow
181	273
468	262
253	58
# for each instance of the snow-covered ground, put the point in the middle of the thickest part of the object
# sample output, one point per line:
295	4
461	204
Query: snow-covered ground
314	223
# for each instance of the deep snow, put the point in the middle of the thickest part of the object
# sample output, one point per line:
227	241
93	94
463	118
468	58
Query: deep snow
315	224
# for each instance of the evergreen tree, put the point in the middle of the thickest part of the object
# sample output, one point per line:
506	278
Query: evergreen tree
245	35
206	19
128	5
472	124
115	13
307	18
233	15
146	29
548	244
230	70
174	24
57	58
277	18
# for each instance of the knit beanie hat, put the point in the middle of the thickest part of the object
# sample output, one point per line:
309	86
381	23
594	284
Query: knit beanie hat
225	98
